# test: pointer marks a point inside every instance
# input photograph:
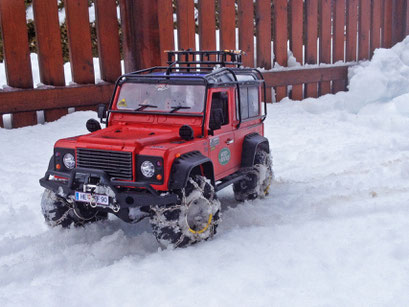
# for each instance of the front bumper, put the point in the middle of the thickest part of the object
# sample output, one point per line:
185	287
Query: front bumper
137	194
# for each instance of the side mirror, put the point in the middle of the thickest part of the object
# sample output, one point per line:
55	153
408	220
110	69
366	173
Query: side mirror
93	125
102	111
216	119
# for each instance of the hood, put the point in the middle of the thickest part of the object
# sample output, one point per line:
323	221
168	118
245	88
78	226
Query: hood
120	136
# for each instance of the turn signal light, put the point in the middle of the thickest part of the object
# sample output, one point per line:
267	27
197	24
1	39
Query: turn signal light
58	166
177	155
159	177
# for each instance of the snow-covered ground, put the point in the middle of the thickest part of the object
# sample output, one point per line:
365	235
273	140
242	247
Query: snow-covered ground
333	231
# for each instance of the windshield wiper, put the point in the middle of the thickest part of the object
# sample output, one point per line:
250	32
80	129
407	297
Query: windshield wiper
144	106
175	108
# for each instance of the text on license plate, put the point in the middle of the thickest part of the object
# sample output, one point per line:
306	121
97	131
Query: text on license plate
94	198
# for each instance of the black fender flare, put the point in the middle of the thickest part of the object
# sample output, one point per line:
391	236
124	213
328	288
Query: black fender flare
187	163
51	164
251	143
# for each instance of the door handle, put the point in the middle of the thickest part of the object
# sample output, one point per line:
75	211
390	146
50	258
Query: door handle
229	141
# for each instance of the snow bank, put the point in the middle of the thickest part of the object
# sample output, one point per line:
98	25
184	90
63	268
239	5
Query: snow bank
384	81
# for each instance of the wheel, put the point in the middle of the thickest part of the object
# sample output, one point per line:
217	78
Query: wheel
257	181
58	212
193	219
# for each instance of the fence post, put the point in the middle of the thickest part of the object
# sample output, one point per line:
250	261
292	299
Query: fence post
398	20
140	34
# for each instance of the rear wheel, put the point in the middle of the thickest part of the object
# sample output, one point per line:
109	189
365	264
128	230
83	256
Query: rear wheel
193	219
258	179
58	212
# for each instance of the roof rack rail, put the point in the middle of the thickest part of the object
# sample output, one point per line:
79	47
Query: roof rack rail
206	58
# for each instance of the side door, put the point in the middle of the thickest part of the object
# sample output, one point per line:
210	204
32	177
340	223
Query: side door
223	151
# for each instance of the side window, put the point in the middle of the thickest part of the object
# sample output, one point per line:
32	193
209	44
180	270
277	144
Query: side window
219	111
249	106
254	106
244	107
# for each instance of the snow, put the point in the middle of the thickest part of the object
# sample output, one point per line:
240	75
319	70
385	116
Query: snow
332	232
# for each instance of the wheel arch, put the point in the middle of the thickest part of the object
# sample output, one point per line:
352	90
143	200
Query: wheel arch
188	164
252	142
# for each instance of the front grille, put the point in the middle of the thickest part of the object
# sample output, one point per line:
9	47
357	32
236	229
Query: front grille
117	164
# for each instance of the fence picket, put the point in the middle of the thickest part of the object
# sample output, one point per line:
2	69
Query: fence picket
185	24
364	26
338	41
387	24
128	34
263	38
311	43
325	42
47	27
398	20
207	25
16	53
407	19
246	31
165	21
296	41
79	39
352	28
339	23
280	41
108	39
227	24
263	33
375	26
146	26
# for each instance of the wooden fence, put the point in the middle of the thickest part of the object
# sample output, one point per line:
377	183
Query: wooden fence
315	31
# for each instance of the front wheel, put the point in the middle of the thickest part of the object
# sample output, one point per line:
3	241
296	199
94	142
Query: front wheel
58	212
193	219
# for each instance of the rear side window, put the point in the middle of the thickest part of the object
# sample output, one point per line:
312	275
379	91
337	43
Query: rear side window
244	104
254	106
249	102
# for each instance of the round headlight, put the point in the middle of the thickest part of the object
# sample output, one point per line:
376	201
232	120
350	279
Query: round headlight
69	161
147	169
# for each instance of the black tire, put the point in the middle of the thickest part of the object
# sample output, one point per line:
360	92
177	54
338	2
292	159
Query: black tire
193	219
58	212
258	179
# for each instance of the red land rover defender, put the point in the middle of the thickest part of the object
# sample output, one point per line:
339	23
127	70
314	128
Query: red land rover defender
174	136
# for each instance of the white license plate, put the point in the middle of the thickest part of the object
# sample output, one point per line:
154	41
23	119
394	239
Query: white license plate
94	198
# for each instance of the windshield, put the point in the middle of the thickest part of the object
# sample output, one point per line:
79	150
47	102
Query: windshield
161	98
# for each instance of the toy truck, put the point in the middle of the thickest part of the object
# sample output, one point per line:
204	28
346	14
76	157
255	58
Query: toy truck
174	136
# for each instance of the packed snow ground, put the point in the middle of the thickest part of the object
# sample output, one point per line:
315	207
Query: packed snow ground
333	231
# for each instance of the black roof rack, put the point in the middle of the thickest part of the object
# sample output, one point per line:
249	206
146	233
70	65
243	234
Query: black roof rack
204	58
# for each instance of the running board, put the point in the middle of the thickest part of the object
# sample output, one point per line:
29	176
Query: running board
229	180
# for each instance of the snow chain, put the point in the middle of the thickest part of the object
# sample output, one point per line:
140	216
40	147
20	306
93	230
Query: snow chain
159	211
